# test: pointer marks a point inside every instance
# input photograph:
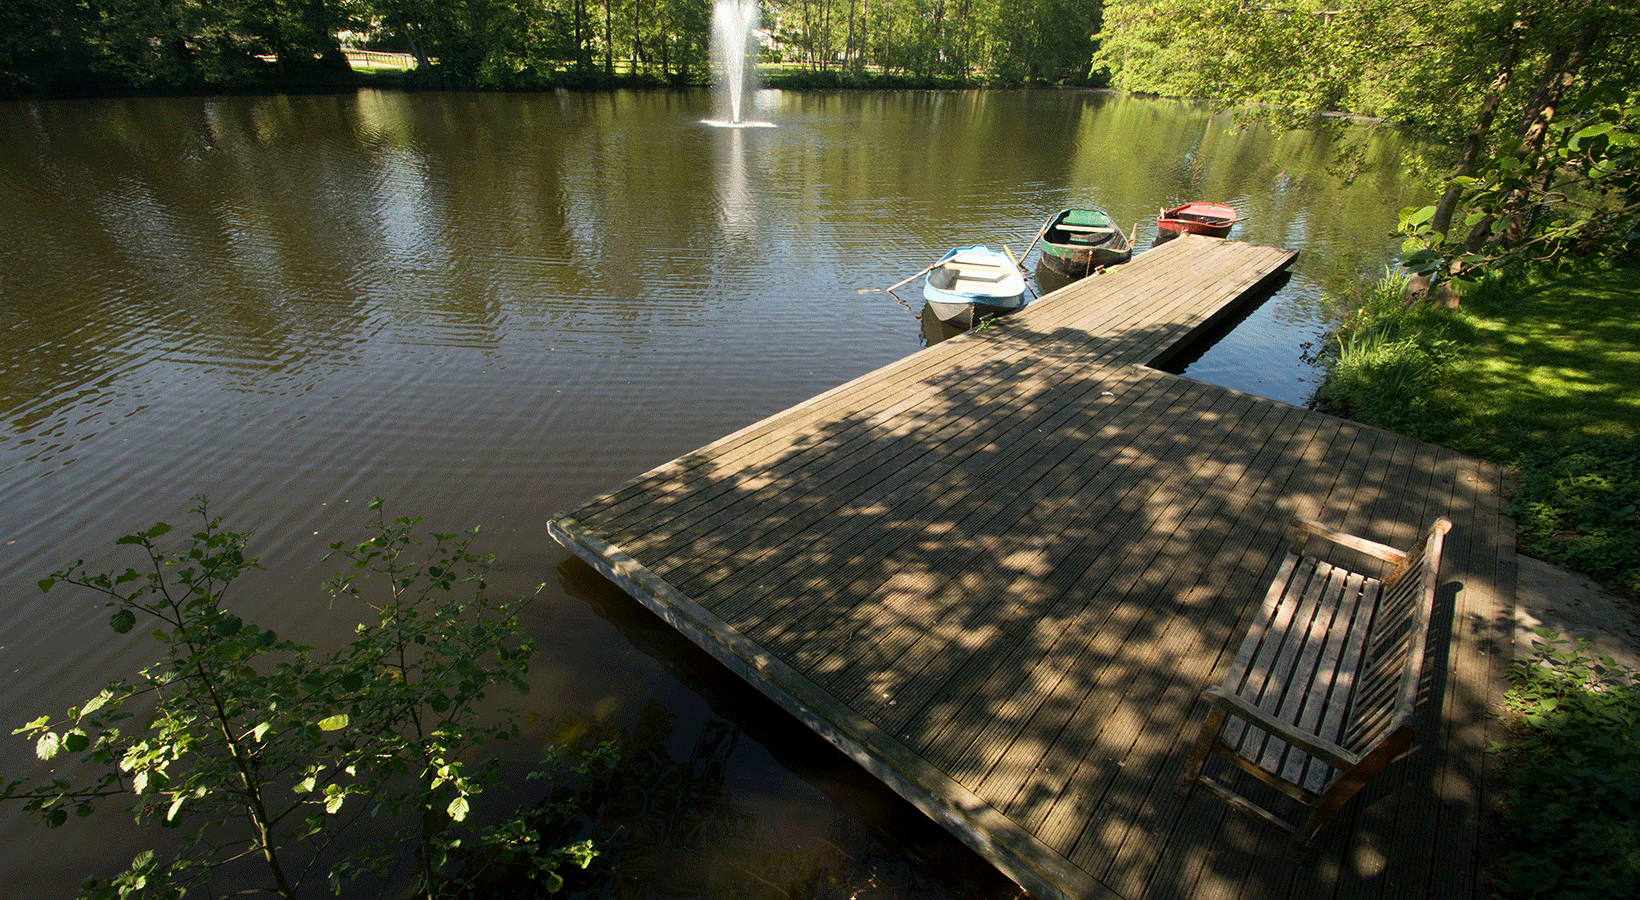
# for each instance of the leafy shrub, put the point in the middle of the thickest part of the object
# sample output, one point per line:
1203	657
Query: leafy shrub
1572	811
1387	361
255	747
1579	507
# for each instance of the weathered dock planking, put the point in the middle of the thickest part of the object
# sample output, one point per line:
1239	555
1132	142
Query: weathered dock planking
997	572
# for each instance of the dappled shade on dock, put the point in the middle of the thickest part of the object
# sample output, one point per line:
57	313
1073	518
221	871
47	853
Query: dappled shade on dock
997	573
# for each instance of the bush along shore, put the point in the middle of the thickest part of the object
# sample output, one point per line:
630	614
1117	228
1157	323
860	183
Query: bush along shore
1537	373
1541	374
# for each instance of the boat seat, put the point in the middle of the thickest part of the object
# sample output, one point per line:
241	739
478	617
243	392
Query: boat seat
974	269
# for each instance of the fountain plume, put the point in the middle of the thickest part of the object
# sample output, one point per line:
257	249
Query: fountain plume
733	22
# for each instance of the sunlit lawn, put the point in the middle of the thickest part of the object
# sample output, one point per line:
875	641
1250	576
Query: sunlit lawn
1555	362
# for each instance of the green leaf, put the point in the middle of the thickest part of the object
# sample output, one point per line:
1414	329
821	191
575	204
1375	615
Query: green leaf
46	583
1596	130
333	723
76	741
457	809
48	745
34	725
122	621
96	703
1414	217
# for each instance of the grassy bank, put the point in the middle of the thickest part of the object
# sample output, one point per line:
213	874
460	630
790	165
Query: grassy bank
1541	375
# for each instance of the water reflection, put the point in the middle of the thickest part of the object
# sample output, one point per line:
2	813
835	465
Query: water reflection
488	307
744	802
738	208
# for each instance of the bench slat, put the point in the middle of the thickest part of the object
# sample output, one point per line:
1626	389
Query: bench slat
1349	644
1297	667
1262	645
1320	696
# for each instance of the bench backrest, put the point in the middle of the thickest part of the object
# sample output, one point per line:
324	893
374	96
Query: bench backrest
1387	691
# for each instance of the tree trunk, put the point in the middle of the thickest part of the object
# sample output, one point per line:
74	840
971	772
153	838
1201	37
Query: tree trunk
609	39
1552	91
583	57
1559	74
1475	143
418	47
637	36
848	45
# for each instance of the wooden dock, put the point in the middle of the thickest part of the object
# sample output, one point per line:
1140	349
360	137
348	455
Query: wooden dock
997	572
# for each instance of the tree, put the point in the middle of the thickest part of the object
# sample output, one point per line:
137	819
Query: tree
255	747
1495	78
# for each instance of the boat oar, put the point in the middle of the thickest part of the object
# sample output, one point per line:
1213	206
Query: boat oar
1021	268
1032	246
890	289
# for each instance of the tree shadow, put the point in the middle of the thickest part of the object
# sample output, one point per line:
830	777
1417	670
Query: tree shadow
998	572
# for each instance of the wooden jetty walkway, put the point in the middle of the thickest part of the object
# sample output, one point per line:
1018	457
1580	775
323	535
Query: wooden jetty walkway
997	572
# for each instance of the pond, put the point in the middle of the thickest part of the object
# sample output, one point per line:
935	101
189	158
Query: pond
488	307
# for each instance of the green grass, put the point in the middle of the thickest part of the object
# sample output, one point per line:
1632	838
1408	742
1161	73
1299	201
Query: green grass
1540	375
1571	820
1550	385
1552	361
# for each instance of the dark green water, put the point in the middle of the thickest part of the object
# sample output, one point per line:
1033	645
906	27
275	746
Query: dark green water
486	308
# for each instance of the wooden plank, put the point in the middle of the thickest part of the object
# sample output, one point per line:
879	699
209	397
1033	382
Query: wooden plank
998	840
819	645
919	644
886	536
1120	849
1084	813
1102	684
997	572
886	486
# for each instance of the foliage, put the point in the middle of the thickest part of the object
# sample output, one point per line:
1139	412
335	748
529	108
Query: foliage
1579	507
257	748
1388	364
1540	94
123	45
1572	817
1579	195
119	45
1538	374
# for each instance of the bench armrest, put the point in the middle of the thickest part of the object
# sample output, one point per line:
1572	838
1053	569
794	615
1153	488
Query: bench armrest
1309	742
1304	528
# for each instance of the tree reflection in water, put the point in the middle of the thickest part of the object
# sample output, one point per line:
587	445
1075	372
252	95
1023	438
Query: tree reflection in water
672	828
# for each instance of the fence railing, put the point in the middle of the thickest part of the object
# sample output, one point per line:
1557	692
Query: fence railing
379	58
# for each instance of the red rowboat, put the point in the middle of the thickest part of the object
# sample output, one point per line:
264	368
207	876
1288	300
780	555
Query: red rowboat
1211	219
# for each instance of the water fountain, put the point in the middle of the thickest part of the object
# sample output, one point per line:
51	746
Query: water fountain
733	22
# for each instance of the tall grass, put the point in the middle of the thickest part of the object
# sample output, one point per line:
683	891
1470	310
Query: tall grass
1539	374
1388	363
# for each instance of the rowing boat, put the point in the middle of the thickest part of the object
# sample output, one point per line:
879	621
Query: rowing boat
970	281
1077	241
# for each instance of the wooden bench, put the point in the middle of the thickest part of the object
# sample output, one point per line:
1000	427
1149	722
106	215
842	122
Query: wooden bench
1320	697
